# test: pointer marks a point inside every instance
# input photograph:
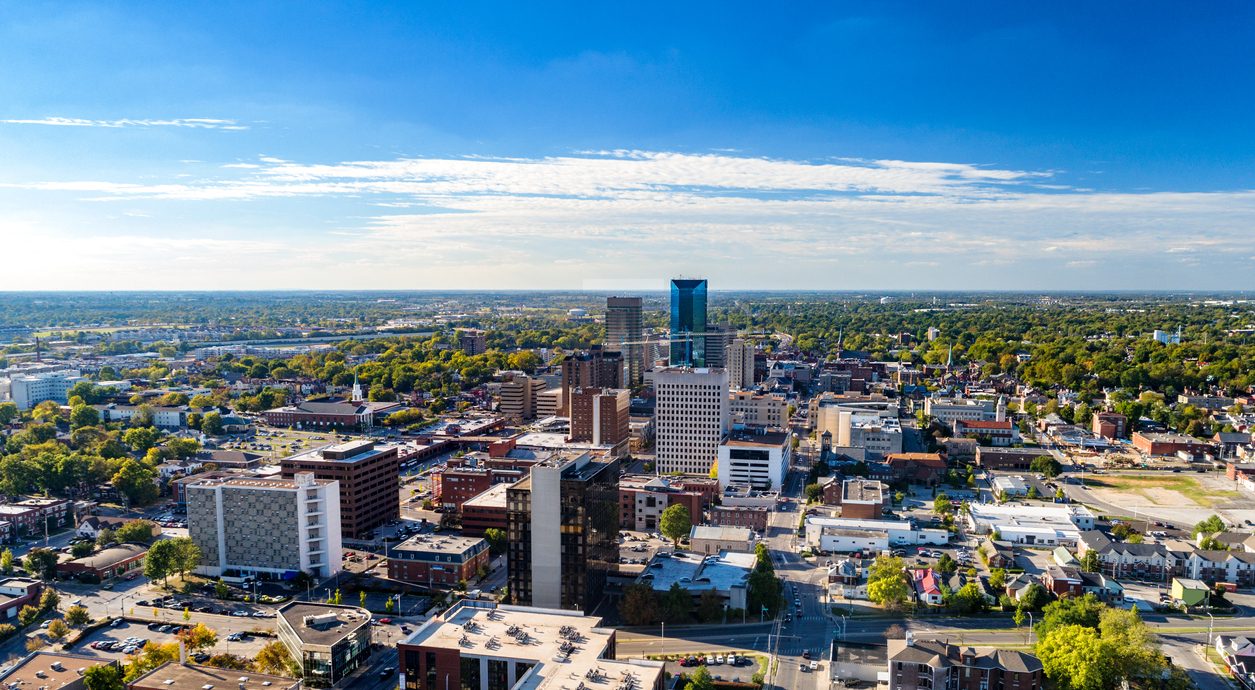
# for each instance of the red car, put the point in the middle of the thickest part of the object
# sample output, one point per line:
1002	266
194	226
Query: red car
385	621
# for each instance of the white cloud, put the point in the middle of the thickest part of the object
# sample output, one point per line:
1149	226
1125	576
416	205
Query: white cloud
188	122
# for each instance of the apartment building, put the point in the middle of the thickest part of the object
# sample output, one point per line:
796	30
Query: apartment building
369	481
520	397
28	390
600	415
596	368
948	410
739	361
691	418
928	664
272	527
563	526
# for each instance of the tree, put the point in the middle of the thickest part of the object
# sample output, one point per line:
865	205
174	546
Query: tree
1090	562
136	481
50	599
1046	465
41	563
27	615
1034	597
700	680
57	630
942	505
969	598
211	424
153	654
199	636
1131	644
47	411
6	561
83	415
676	604
1084	610
1211	543
1075	658
946	565
496	539
814	492
82	549
675	522
997	579
137	531
182	448
159	562
221	590
639	605
709	607
1211	525
361	598
8	413
103	677
389	605
77	615
105	538
275	659
140	439
886	582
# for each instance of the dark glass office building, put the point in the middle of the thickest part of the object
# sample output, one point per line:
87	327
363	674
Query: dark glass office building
688	318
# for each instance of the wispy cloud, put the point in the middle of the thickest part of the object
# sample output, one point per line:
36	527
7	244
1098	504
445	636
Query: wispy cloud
187	122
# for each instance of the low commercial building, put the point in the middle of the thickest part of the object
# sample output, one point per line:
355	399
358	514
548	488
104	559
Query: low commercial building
842	535
478	644
1189	592
437	559
1010	486
734	516
993	432
711	539
921	468
927	664
485	511
50	671
862	499
724	573
1044	525
643	498
173	675
758	458
1152	443
1017	459
111	563
16	592
357	415
328	641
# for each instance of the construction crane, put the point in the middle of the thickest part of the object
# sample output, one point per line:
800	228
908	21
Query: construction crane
684	337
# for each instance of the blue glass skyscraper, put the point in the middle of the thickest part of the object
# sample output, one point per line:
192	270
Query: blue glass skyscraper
688	322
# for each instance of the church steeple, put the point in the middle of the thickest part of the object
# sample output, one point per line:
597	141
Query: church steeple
357	390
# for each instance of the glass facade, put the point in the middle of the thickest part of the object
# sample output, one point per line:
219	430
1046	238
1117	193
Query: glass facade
688	317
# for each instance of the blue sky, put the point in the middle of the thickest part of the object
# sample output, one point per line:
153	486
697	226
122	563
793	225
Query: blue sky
582	145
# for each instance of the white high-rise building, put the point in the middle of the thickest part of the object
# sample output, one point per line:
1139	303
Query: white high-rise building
691	418
740	362
272	526
28	390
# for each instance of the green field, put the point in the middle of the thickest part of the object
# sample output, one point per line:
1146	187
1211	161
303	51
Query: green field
1188	487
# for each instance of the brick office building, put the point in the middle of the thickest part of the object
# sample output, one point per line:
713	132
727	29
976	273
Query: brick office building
369	478
435	559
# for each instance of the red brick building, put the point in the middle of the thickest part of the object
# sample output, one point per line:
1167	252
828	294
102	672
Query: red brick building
1152	443
485	511
1063	581
369	479
1110	425
737	516
600	415
643	498
435	559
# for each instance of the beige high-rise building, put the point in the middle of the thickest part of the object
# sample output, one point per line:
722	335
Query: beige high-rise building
740	363
519	397
624	333
758	409
691	416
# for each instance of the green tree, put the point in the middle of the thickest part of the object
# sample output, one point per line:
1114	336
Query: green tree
140	439
1084	610
1046	465
1090	562
496	539
27	615
83	415
639	606
182	448
1075	658
50	599
211	424
6	561
814	492
1211	525
676	604
969	598
942	505
274	658
137	482
946	565
41	563
887	584
675	522
361	598
159	562
103	677
136	531
222	591
82	549
709	607
700	680
47	411
1131	644
57	630
77	615
997	579
8	413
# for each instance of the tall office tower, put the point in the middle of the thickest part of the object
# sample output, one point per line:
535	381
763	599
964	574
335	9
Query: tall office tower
369	481
562	528
690	418
717	339
600	415
624	333
688	319
739	357
596	368
273	526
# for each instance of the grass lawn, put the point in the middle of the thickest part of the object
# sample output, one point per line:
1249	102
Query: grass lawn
1188	487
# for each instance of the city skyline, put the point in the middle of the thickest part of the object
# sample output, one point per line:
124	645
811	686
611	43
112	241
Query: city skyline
968	147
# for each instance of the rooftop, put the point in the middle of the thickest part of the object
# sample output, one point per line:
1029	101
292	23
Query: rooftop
493	497
566	646
110	556
49	670
862	491
766	439
323	624
176	676
696	572
440	543
349	451
720	533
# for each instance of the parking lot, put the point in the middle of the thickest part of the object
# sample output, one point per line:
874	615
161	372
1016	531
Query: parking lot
719	665
116	642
